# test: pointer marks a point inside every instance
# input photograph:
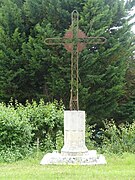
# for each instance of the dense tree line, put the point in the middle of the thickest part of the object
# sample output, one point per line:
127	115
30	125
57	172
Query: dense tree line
29	69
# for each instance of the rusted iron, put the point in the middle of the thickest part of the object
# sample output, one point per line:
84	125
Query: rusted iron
74	41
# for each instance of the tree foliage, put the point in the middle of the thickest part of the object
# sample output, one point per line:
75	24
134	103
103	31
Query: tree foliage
29	69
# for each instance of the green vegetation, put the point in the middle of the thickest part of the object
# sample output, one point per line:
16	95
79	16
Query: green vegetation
25	129
118	167
35	127
29	69
36	75
118	139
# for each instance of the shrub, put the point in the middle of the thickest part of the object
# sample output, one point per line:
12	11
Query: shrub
59	140
118	139
45	119
90	143
22	128
15	133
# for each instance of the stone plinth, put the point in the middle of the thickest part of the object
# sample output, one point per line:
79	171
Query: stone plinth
74	134
74	150
90	158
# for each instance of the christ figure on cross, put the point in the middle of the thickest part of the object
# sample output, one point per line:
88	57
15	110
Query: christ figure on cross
74	41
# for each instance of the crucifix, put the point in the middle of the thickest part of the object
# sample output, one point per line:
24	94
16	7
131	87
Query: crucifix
74	150
74	41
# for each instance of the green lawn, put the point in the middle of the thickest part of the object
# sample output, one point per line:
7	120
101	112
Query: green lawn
118	167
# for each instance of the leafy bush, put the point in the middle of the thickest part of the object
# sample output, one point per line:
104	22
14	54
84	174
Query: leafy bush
90	143
22	128
15	153
118	139
46	120
59	140
15	132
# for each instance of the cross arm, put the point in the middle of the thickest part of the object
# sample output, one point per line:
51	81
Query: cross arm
93	40
57	41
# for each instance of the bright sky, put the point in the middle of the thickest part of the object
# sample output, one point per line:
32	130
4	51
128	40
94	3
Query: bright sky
133	28
133	12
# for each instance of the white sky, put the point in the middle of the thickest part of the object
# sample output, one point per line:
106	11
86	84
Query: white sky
133	12
133	29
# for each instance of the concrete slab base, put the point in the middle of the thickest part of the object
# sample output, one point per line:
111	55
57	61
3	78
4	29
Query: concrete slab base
90	158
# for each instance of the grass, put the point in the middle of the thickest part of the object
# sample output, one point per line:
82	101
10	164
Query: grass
117	168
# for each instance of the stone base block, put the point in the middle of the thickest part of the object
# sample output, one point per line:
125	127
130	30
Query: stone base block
90	158
74	134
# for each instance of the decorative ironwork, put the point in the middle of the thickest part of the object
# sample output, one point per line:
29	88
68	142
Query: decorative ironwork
74	41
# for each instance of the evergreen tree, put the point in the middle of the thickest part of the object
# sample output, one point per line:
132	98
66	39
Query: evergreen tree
103	67
29	69
10	43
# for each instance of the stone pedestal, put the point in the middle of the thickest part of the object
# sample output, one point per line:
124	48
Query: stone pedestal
74	150
74	134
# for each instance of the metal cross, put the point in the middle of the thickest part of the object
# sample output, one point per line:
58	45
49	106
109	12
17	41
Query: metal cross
74	41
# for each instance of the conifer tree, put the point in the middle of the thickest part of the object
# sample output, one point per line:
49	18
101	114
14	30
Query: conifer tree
103	67
29	69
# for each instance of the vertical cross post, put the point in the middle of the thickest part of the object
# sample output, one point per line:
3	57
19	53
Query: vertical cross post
74	101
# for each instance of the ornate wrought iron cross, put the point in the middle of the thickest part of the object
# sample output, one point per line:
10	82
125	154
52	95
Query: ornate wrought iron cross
74	41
